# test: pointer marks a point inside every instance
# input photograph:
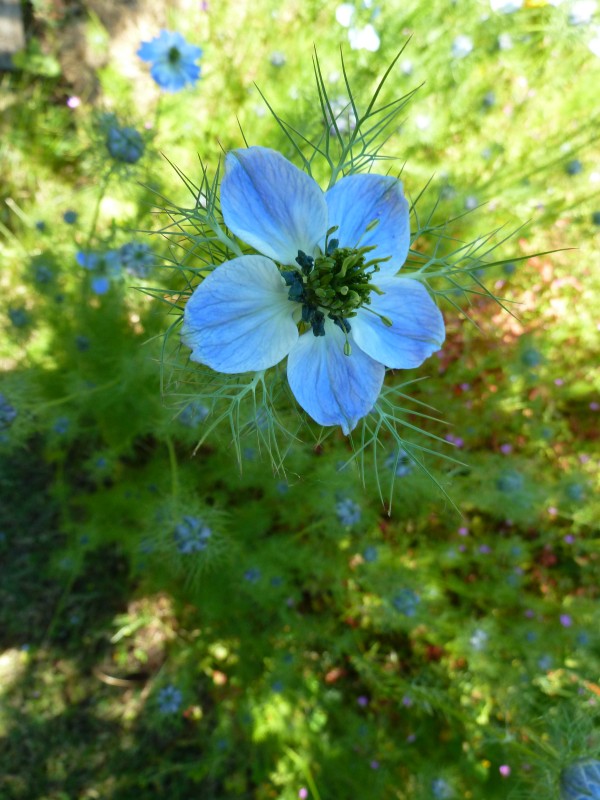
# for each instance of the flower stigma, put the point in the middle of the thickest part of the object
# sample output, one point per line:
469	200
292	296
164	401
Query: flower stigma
335	284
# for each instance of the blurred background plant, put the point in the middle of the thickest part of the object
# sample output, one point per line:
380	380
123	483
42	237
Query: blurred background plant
170	626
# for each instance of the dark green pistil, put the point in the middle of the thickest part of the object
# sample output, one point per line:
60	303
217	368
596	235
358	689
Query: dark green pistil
173	55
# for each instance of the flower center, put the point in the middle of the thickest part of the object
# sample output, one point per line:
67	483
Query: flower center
173	56
335	284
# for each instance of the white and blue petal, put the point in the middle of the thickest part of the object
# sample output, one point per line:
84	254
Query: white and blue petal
272	205
357	200
417	328
240	319
333	388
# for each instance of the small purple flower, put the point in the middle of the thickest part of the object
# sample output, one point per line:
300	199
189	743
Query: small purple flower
565	620
506	449
303	793
362	701
172	59
504	770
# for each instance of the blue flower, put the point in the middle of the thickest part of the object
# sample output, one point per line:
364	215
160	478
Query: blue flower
108	262
172	60
510	481
70	217
137	258
100	285
62	425
252	575
581	780
125	144
244	316
169	700
400	463
8	413
19	317
193	414
574	167
406	602
192	535
348	512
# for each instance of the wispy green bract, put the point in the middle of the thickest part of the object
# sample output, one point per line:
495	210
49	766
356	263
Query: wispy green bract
258	409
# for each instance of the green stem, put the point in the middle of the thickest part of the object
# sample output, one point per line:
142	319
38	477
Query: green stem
174	468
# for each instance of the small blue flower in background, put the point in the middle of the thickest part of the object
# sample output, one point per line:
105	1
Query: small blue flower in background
137	258
244	315
596	217
108	262
400	463
462	46
82	343
61	426
406	602
370	554
70	217
479	640
193	414
100	285
19	317
581	780
192	535
169	700
125	144
441	789
8	413
43	274
510	481
574	167
252	575
172	59
277	59
348	512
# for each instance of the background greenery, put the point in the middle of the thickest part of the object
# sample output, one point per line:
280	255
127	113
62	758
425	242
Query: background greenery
317	647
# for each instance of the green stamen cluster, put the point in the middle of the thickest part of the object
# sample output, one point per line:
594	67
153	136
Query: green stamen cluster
173	55
339	282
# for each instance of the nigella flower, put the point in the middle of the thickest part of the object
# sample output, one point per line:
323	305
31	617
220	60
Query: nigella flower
192	535
169	700
125	144
8	413
348	512
320	255
580	780
108	262
137	258
172	59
